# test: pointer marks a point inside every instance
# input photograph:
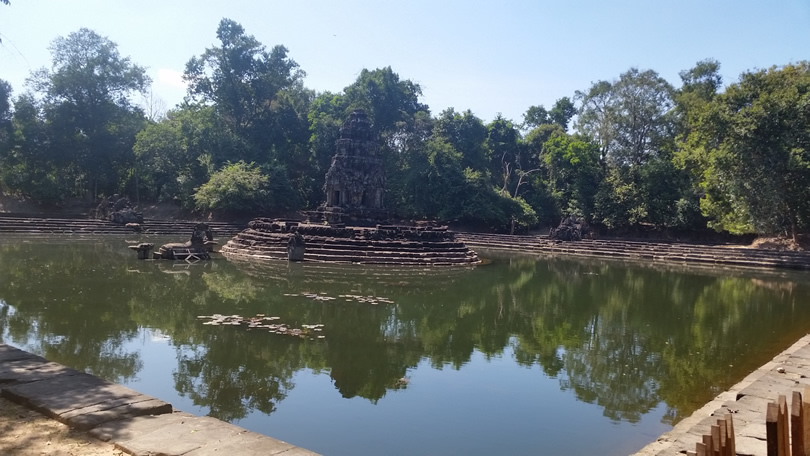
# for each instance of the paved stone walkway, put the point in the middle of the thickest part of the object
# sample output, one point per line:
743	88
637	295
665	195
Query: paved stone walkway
136	423
746	401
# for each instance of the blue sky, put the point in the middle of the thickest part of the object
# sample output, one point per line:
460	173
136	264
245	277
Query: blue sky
489	57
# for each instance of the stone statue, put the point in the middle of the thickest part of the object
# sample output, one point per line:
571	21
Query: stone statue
296	246
196	248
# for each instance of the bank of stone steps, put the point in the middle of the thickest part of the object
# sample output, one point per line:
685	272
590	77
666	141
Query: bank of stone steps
264	245
75	225
643	250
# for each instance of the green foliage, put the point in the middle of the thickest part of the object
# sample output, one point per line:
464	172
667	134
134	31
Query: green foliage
632	119
466	133
90	124
573	173
559	115
259	105
643	153
236	188
752	146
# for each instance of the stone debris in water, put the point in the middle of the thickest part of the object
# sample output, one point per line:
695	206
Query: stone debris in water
373	300
260	321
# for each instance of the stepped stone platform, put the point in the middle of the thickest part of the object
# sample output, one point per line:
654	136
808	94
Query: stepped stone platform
80	225
668	252
267	239
136	423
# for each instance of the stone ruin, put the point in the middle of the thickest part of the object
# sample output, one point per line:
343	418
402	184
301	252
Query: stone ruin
382	244
355	182
354	187
198	247
118	209
571	228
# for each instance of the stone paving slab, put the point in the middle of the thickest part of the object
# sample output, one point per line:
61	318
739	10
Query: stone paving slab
136	423
185	434
746	401
82	400
9	353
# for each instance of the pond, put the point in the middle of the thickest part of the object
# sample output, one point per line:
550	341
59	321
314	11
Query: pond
524	355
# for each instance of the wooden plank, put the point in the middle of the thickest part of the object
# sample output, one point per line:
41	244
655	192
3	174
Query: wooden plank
772	429
715	429
701	450
806	413
797	425
707	441
691	452
784	435
723	438
732	439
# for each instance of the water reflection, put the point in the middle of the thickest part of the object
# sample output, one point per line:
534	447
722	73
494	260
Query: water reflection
624	337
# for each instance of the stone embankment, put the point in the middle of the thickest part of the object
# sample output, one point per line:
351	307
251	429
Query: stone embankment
673	252
746	401
79	225
137	424
396	246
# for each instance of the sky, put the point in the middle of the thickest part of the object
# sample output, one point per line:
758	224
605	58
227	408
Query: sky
489	57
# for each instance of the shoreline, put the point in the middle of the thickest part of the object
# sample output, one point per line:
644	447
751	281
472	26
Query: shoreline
133	422
747	401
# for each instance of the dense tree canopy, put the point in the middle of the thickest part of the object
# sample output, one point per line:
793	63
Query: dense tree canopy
640	152
752	147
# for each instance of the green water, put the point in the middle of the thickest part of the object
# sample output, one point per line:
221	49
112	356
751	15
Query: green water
524	355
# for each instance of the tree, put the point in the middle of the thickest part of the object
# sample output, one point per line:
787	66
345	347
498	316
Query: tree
259	94
91	120
535	116
560	114
466	133
5	116
573	173
390	103
752	147
238	188
632	121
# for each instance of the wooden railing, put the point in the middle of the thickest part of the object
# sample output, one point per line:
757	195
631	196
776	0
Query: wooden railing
788	436
720	442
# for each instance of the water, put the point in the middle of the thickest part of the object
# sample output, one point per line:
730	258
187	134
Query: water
521	356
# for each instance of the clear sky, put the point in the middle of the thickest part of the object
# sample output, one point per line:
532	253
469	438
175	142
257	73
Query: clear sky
490	57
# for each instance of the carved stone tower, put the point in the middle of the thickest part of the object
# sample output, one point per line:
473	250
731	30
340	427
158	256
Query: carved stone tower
356	179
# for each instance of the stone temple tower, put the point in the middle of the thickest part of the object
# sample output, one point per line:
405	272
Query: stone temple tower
355	181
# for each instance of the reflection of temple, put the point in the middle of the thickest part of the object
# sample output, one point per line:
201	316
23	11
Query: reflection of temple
355	182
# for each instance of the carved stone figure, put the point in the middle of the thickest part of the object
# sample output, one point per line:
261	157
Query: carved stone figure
198	247
296	246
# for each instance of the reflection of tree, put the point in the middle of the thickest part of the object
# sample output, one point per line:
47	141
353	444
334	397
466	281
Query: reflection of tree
623	337
237	373
82	322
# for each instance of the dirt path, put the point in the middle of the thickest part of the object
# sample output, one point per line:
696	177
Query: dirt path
25	432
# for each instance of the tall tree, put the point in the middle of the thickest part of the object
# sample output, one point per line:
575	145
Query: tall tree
562	112
86	96
247	84
632	121
467	134
752	144
5	115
